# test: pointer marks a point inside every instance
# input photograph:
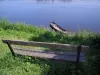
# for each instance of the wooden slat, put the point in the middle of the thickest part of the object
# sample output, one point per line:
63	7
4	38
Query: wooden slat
62	56
45	44
49	51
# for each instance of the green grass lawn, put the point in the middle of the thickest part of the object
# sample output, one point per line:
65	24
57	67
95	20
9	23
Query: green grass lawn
24	65
10	66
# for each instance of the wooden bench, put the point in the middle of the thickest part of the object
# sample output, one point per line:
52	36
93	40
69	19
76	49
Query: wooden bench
75	55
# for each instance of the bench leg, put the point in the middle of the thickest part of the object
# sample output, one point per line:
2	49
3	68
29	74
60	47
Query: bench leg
11	49
77	60
78	54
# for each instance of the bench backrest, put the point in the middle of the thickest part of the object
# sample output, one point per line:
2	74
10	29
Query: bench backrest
45	44
79	48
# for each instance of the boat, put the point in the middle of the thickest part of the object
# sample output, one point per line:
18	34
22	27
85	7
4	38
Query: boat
57	27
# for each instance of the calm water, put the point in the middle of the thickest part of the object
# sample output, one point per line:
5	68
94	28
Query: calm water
68	13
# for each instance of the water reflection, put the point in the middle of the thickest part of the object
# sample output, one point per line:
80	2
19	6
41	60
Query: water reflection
58	1
49	1
54	1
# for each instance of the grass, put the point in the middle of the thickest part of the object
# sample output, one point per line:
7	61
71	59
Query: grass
24	65
10	66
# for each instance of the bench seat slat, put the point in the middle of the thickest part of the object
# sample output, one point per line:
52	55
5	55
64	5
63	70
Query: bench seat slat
50	51
63	56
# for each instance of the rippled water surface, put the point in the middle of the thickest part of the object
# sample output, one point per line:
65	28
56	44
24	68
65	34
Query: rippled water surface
70	14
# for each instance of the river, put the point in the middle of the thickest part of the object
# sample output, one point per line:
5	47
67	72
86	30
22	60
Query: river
69	14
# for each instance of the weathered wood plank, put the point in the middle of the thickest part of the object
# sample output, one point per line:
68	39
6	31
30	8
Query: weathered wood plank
62	56
50	51
45	44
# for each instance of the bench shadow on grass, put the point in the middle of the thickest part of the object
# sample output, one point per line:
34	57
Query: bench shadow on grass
53	67
47	67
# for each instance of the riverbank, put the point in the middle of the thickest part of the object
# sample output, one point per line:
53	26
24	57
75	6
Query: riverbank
29	66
